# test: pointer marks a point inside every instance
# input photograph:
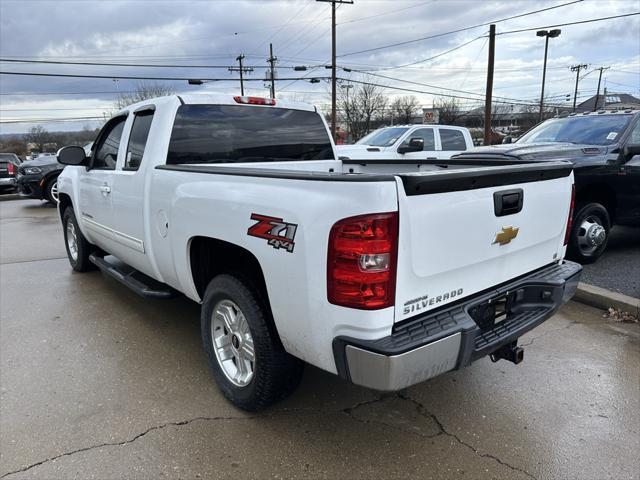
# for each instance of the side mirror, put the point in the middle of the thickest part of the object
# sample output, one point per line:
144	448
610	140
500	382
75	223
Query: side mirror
631	150
507	139
72	155
415	145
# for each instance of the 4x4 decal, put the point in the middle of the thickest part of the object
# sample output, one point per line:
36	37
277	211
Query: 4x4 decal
279	233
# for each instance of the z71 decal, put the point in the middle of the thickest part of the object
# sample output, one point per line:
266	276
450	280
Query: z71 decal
279	233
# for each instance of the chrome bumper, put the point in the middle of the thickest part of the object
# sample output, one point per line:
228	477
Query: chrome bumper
454	336
7	182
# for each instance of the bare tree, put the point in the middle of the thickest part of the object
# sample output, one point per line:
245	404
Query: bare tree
449	111
144	90
361	107
39	136
404	108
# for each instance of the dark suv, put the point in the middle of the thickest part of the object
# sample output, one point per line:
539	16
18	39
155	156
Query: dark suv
604	147
38	178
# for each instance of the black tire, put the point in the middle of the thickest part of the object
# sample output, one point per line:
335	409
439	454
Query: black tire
588	213
81	263
275	373
48	190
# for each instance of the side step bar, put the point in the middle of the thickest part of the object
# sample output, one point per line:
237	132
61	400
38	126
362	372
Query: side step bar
138	282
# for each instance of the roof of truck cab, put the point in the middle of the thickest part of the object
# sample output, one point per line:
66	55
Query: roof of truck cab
226	99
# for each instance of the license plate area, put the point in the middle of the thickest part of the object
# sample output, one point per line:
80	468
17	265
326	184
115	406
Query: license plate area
492	312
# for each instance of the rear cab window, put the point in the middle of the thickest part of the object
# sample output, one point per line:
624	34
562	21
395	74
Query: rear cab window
242	133
452	140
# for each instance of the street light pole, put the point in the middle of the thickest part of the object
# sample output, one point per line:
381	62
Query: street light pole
547	34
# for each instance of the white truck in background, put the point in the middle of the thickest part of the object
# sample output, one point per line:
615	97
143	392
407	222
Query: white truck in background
386	274
408	143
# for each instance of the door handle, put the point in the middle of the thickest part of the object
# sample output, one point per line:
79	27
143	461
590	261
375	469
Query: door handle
105	189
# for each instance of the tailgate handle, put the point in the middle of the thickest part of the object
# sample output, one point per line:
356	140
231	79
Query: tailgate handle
508	202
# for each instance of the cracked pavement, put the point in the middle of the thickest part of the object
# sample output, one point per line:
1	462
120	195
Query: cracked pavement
96	382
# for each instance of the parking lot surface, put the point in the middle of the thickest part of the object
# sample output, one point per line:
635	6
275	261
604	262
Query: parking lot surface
618	269
96	382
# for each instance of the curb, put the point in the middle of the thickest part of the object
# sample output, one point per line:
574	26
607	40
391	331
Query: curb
604	299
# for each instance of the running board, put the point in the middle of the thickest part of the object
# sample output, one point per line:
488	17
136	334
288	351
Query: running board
138	282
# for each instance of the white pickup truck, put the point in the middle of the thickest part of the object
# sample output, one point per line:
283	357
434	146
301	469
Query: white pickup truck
409	142
386	274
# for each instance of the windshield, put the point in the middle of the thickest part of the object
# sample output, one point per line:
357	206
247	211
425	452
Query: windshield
243	133
589	130
383	137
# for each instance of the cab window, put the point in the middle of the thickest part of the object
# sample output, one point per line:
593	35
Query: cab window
106	153
138	139
452	139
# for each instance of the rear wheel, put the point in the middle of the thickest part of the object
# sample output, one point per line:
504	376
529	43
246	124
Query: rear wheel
246	359
51	191
78	248
589	233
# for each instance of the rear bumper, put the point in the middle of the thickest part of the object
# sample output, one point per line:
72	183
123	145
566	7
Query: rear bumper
7	182
453	337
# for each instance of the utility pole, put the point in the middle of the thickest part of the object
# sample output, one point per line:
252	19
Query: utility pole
547	34
577	68
333	61
489	92
595	107
241	69
272	61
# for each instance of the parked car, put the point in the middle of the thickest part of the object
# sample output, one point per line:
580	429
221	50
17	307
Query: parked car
38	178
409	142
605	149
381	273
9	163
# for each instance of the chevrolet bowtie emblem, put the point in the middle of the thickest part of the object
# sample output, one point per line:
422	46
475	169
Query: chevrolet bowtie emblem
506	235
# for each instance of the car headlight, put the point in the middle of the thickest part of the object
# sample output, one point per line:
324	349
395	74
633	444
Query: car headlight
32	170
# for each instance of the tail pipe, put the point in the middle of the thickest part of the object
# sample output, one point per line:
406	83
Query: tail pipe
511	352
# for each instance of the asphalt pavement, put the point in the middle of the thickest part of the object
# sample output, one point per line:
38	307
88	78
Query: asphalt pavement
618	269
96	382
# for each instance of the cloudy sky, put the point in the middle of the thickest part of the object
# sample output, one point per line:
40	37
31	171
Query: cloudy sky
181	35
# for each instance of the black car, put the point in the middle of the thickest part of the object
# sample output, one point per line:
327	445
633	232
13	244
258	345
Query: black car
9	163
39	178
604	147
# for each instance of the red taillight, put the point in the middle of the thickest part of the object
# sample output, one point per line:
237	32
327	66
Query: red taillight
255	100
11	169
361	264
570	219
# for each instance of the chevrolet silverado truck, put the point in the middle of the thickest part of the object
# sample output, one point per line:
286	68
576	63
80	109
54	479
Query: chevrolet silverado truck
385	274
604	147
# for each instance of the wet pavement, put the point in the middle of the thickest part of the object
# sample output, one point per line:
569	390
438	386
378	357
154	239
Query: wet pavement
96	382
618	269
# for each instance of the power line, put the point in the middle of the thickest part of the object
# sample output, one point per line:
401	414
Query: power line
127	77
137	65
436	86
43	120
437	94
406	42
600	19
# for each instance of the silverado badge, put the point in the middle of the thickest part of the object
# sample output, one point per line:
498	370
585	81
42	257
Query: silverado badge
506	235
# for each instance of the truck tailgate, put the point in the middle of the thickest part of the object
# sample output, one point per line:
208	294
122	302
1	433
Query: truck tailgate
465	230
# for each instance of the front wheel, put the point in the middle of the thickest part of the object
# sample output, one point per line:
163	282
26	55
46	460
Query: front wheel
78	248
51	191
589	233
246	359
